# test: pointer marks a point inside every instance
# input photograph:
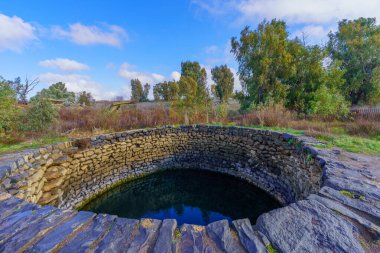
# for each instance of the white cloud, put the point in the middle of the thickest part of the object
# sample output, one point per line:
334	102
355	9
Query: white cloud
63	64
128	72
78	83
15	33
175	75
211	49
111	35
314	34
308	11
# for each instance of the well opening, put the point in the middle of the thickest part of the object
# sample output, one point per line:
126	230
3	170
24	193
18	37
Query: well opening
69	175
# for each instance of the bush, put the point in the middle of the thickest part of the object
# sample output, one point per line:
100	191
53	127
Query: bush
39	116
329	103
9	112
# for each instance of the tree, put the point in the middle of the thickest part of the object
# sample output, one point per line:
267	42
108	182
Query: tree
8	108
145	93
307	77
196	72
224	79
357	45
57	91
23	89
137	90
264	63
166	91
186	103
39	116
85	98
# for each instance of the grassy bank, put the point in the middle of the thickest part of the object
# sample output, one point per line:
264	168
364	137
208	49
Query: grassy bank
33	143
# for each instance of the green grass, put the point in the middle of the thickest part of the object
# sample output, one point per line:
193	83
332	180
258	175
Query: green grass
351	195
35	143
339	139
352	143
270	248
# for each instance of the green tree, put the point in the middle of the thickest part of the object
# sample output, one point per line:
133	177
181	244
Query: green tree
8	108
137	90
85	98
265	63
357	45
194	71
39	116
56	91
186	103
145	93
224	80
308	75
166	91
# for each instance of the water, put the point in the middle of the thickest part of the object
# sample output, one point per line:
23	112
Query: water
189	196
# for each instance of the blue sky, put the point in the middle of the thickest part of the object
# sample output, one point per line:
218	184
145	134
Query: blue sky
99	46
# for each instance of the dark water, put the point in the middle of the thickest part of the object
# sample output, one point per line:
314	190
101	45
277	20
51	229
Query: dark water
189	196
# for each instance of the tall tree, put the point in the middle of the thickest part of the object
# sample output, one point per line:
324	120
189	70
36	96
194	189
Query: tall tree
56	91
186	103
357	45
8	109
166	91
224	82
195	71
137	90
23	89
145	94
264	63
85	98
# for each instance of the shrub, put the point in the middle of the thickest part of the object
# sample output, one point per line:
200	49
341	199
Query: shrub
9	112
329	103
39	116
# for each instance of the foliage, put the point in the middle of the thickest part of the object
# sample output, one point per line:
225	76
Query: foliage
329	103
221	111
8	109
139	93
39	116
265	63
23	89
57	91
85	98
224	80
187	97
196	72
34	143
357	45
166	91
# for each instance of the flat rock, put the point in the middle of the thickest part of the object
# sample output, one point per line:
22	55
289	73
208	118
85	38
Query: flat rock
308	226
56	238
220	233
166	237
91	234
119	236
194	240
34	232
144	240
248	237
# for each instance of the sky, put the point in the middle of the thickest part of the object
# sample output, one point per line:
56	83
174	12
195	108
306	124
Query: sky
99	46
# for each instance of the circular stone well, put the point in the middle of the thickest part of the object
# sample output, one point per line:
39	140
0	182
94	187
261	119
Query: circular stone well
69	175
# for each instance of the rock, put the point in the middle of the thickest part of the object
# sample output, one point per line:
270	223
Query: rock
248	237
219	232
56	238
119	236
308	226
166	236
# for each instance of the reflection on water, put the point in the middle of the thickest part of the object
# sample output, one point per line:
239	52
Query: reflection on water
189	196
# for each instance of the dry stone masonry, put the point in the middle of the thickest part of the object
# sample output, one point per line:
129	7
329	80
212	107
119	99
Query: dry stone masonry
329	205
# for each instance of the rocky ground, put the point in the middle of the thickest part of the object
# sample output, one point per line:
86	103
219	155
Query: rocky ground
344	216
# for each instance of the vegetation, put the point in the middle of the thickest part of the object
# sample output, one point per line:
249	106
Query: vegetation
224	82
57	91
287	86
139	93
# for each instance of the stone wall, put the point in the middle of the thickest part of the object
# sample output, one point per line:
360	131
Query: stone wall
69	174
